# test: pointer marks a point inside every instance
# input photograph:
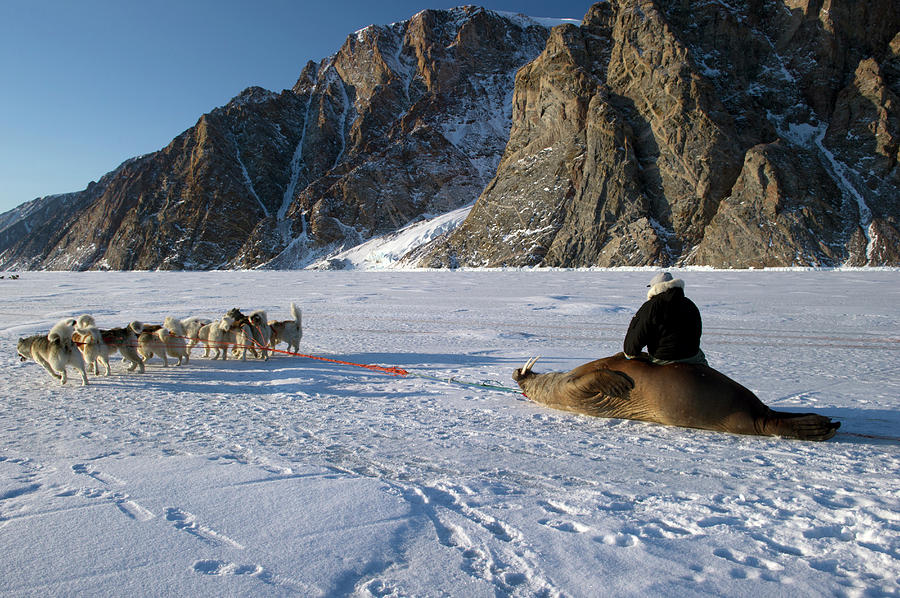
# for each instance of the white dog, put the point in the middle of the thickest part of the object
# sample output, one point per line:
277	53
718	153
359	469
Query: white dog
192	328
152	341
176	343
203	337
288	331
93	349
90	340
55	351
223	333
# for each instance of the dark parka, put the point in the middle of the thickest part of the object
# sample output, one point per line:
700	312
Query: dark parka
668	324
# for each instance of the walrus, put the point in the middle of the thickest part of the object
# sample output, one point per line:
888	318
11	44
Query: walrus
678	394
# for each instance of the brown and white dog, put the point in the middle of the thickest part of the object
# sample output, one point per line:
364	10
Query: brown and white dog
54	351
242	327
125	341
287	331
262	333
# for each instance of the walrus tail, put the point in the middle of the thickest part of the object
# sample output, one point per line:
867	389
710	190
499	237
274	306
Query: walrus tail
802	426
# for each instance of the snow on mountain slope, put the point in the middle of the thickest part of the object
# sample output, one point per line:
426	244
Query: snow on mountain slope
388	251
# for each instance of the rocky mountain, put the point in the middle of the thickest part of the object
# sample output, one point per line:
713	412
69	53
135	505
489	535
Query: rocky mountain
404	121
658	132
664	132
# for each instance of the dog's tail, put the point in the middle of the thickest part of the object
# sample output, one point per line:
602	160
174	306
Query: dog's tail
195	322
174	326
62	331
298	315
85	321
90	335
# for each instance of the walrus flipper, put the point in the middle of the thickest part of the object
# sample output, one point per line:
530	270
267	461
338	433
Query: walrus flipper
601	393
605	382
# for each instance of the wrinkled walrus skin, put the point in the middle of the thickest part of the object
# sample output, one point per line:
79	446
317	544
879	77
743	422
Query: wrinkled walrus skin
679	394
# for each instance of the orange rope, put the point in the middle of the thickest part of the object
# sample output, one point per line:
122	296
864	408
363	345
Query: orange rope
393	371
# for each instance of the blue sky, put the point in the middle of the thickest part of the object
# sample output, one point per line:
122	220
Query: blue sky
88	84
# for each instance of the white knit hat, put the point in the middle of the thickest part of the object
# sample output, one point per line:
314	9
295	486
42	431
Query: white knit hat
660	278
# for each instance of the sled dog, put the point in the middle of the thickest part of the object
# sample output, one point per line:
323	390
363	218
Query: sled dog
89	340
54	351
93	349
288	331
154	343
242	326
192	328
224	333
262	333
176	344
203	337
125	341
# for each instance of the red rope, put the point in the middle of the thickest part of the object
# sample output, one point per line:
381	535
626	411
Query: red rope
393	371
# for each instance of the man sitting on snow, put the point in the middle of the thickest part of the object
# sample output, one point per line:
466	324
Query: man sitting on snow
668	324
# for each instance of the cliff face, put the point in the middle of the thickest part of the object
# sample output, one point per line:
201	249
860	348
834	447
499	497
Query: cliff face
659	132
662	132
405	120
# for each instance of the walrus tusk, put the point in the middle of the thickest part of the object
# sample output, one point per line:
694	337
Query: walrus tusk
524	371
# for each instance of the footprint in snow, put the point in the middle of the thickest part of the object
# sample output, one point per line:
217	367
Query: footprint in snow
378	587
619	539
661	529
765	565
134	510
221	568
105	478
561	508
187	522
210	567
123	502
572	527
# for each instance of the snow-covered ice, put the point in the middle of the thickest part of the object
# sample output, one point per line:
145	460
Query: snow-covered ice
310	478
